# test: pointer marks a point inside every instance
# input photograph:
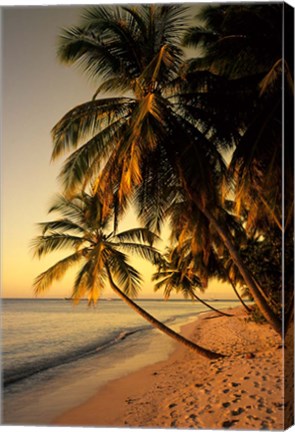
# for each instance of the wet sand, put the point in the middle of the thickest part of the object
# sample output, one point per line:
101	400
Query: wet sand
243	390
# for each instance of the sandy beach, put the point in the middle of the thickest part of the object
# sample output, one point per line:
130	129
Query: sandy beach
243	390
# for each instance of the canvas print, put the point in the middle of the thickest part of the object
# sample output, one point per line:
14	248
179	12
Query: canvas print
148	215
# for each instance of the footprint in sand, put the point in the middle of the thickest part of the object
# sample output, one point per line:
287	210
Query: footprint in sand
228	423
237	412
226	404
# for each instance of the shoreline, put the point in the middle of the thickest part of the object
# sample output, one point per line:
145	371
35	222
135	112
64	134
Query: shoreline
241	391
117	391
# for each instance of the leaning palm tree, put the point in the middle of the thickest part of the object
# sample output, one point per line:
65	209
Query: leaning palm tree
245	42
133	142
175	274
100	255
199	247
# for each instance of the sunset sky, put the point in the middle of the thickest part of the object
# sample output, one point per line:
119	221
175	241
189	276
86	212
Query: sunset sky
36	92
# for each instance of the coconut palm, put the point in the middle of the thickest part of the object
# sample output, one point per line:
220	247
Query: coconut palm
175	274
246	41
200	249
232	275
100	255
136	50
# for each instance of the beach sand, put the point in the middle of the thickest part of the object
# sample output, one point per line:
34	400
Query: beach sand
243	390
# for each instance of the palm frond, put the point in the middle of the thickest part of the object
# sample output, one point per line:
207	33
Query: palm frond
199	36
118	27
140	235
84	48
82	165
88	284
126	276
42	245
143	251
272	79
56	272
88	119
63	224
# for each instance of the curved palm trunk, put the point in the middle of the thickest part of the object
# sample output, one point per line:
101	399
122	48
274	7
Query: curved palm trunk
209	306
238	295
259	288
155	323
225	236
260	301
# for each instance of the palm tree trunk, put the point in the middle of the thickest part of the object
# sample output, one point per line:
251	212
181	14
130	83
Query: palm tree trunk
225	236
160	326
238	295
209	306
261	302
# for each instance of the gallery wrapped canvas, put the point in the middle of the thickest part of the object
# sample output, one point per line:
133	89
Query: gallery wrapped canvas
158	290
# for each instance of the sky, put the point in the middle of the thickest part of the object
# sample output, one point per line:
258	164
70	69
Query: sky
36	92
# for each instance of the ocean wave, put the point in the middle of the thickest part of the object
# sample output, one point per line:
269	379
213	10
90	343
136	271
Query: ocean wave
14	374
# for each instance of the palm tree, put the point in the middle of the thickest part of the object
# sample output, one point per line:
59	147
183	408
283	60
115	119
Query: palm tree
200	248
134	144
245	41
175	274
100	255
232	275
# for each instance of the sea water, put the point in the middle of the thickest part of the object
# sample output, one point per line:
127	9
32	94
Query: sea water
56	355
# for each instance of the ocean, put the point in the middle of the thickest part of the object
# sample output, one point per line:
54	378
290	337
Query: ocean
56	355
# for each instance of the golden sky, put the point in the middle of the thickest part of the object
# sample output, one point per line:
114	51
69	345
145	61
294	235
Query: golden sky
36	92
